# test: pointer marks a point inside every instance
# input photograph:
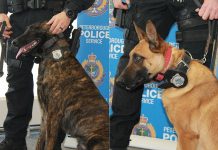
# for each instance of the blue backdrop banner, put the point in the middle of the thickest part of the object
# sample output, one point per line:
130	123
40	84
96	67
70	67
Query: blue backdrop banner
94	48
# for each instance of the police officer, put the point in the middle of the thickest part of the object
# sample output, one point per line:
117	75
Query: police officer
191	21
60	14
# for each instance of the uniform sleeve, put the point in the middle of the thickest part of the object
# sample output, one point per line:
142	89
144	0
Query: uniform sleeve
3	6
78	5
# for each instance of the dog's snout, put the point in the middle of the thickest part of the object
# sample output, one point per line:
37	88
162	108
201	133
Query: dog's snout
14	42
120	80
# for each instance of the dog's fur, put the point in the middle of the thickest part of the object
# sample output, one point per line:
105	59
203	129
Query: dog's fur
193	110
69	99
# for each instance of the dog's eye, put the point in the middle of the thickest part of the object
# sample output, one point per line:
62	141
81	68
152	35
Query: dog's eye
137	59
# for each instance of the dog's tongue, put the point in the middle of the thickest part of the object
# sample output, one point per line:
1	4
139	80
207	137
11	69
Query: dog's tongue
26	48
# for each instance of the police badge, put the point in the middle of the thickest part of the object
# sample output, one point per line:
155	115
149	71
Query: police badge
57	54
177	80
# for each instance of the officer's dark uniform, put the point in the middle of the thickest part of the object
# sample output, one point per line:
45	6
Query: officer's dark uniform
20	79
164	13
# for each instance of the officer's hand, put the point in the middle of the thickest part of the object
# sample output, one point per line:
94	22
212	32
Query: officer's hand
209	10
7	32
120	5
59	23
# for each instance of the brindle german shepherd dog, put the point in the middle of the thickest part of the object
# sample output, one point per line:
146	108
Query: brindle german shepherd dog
68	97
193	109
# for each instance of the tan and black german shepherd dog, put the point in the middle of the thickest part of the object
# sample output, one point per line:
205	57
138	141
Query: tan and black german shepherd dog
67	95
192	109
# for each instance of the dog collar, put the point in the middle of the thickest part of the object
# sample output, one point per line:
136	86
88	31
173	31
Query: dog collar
177	77
167	58
56	54
49	43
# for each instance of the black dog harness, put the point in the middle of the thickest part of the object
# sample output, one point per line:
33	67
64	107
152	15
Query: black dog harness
49	43
177	77
57	54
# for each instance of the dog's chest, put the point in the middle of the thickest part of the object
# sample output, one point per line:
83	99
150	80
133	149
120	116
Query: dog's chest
183	116
60	77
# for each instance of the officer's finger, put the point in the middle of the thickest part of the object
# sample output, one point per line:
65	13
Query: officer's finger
53	26
7	29
60	29
119	4
212	15
58	32
206	14
51	21
6	36
116	2
8	22
122	6
57	29
202	10
128	2
7	32
216	16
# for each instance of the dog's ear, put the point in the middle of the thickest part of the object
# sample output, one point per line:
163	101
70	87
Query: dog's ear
141	34
152	36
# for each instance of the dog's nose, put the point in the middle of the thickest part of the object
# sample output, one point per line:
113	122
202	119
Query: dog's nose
120	80
14	42
125	83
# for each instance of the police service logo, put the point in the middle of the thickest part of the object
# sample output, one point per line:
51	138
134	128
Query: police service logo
98	8
144	128
94	69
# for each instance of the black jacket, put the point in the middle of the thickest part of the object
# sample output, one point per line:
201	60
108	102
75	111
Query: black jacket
3	6
78	5
75	5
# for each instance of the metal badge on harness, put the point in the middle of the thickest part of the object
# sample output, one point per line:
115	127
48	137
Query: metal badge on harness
57	54
173	78
177	80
